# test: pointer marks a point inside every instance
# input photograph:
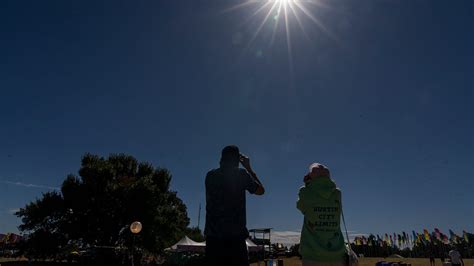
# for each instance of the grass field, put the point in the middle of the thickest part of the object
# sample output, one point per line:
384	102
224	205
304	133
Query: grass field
295	261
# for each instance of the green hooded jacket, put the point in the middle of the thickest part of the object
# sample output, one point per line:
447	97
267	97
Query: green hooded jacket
321	236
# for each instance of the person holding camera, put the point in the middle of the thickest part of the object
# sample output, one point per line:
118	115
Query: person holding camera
226	221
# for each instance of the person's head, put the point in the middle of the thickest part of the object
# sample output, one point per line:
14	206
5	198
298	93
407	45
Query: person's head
318	170
230	156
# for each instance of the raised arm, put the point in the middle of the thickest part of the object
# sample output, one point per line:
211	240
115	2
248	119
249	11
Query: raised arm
301	199
245	161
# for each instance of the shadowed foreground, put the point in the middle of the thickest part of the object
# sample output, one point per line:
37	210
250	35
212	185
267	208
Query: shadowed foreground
295	261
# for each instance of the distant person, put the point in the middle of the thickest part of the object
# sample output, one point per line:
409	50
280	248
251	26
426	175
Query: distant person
432	258
226	222
431	254
456	259
322	242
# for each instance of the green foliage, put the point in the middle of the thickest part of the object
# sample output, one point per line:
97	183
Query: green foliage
96	208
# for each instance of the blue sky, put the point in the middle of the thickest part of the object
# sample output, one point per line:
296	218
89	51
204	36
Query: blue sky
382	94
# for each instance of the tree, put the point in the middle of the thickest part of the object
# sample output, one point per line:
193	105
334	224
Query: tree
96	208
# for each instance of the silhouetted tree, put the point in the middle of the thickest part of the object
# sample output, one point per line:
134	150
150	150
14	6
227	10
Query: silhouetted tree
96	208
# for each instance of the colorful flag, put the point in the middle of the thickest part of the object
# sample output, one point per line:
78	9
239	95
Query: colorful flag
356	240
437	233
445	239
466	238
418	239
427	235
370	240
454	237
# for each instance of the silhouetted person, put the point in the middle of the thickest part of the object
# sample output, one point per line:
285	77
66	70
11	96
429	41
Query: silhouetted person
431	254
226	221
432	258
322	242
456	259
442	256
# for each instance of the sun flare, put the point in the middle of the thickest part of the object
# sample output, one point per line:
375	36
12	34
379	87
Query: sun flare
279	14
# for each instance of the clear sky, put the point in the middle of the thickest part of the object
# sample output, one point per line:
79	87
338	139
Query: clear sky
380	91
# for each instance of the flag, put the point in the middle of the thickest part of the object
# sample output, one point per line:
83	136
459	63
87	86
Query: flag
454	237
7	238
379	241
417	240
445	239
427	235
466	237
370	240
433	237
423	239
437	233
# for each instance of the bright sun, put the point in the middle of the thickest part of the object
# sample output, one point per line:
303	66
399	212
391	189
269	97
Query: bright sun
281	13
284	1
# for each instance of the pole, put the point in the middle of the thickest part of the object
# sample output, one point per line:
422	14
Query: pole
199	216
133	250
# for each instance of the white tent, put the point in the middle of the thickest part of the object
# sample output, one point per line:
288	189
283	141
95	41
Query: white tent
189	245
251	246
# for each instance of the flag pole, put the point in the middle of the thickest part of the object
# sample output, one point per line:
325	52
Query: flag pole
199	217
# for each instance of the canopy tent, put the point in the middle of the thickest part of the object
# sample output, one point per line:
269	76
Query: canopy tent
252	247
186	244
